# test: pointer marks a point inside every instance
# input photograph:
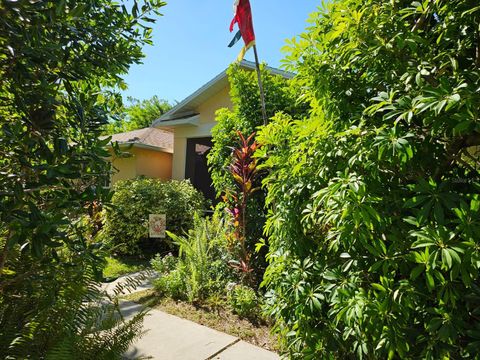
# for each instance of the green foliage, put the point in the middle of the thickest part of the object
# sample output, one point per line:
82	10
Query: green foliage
164	265
203	259
172	285
126	221
245	117
244	171
137	115
374	225
59	64
244	302
60	313
116	267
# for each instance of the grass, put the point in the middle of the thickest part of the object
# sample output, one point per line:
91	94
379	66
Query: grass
216	317
122	266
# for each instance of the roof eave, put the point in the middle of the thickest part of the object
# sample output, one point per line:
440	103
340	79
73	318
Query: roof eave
128	144
168	118
189	121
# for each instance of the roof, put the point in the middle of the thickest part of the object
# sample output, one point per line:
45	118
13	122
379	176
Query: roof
151	138
186	108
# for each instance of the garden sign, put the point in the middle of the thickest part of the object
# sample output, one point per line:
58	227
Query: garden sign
157	225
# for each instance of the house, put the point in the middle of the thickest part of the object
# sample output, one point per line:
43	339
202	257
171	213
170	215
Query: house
192	121
149	153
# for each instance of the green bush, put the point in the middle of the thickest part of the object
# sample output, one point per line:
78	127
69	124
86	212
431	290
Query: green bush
374	226
172	285
164	265
61	63
245	117
244	301
203	260
126	220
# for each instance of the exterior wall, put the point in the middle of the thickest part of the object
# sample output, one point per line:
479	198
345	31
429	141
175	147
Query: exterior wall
208	108
149	163
153	164
207	122
124	168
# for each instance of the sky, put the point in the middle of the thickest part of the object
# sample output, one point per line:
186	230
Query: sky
191	38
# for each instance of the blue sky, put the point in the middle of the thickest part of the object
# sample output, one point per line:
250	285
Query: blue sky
190	43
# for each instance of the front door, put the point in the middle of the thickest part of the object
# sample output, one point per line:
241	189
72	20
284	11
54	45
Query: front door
196	167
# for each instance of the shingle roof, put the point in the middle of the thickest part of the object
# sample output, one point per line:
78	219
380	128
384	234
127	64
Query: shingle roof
149	136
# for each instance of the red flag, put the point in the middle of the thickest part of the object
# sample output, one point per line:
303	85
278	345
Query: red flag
243	17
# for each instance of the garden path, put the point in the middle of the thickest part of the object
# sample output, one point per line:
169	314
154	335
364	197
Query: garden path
169	337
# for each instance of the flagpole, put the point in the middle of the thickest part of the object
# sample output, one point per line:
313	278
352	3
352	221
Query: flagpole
260	85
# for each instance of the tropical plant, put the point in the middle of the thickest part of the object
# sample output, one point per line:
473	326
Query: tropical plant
203	259
165	264
374	220
245	117
126	221
244	171
244	301
137	115
60	62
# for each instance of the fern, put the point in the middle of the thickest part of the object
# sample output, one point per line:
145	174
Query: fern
64	314
202	259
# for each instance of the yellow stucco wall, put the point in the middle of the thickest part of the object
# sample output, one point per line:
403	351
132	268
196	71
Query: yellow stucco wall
149	163
207	122
208	108
153	164
123	169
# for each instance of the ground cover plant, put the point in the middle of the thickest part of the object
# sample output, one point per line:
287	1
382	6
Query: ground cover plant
126	220
374	223
200	284
60	62
119	266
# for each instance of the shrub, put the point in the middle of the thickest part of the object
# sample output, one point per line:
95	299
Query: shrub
244	302
171	284
375	224
203	258
245	117
126	221
164	265
60	64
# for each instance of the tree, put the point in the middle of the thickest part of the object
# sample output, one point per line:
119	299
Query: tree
138	115
374	226
60	62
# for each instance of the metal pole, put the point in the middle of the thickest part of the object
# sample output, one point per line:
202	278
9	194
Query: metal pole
260	85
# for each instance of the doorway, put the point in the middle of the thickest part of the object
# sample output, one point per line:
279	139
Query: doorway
196	167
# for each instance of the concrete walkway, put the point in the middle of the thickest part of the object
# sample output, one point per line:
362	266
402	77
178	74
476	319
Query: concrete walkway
169	337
